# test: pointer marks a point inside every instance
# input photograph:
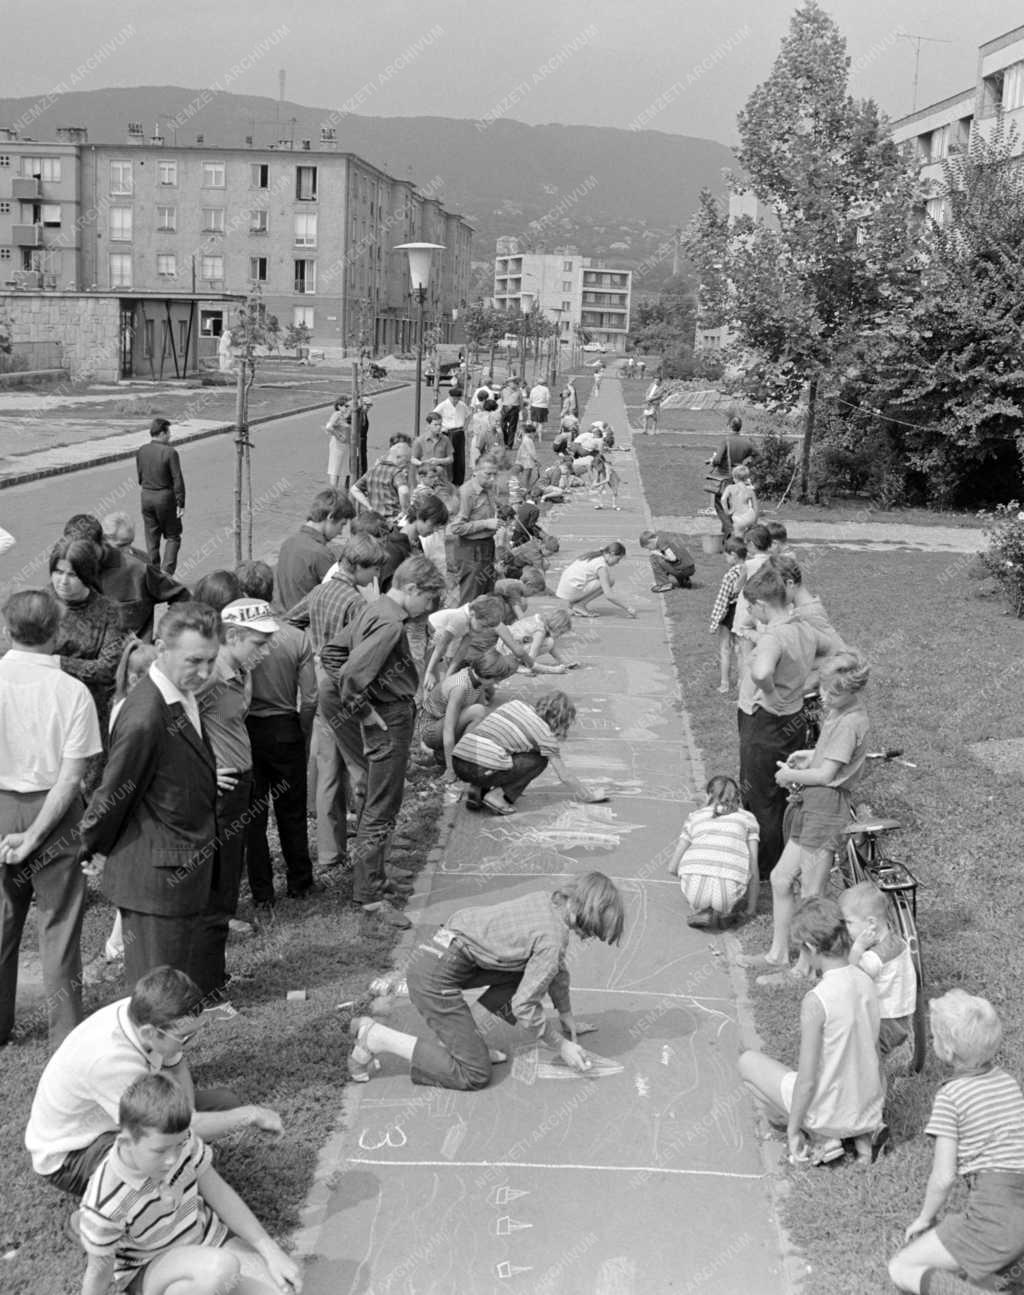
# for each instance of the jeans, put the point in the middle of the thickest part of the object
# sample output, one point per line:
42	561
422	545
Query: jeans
278	775
526	766
765	739
383	759
211	930
53	877
457	1056
161	520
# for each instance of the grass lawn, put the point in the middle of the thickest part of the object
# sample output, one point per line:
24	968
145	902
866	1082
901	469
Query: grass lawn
290	1056
945	660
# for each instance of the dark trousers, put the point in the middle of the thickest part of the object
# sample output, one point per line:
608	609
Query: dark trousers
665	572
381	758
474	568
278	776
53	877
152	940
211	937
161	520
457	1056
765	739
526	766
457	435
79	1165
509	424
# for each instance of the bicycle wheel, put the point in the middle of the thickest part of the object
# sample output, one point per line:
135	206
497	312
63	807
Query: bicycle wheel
902	907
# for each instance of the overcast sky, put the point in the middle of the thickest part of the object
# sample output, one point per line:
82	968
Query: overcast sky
672	65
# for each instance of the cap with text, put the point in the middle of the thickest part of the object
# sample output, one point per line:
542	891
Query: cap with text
250	614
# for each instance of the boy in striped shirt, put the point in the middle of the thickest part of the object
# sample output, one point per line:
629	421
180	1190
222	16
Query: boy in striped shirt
156	1216
977	1122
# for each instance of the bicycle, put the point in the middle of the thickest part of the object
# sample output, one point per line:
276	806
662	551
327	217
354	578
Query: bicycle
862	860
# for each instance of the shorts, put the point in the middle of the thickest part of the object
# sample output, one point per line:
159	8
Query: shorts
538	415
989	1235
819	817
729	617
720	894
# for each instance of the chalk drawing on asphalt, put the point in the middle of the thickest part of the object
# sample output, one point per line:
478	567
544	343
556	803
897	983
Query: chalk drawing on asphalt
505	1195
394	1137
505	1270
505	1226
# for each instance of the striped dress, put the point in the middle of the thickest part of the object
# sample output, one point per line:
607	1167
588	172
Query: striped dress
715	866
133	1219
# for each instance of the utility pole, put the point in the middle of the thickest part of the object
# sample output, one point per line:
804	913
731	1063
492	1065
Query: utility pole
918	40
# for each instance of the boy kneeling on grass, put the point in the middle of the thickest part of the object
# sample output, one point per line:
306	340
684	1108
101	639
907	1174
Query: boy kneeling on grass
977	1122
157	1218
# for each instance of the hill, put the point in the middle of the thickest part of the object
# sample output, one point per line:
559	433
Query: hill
616	193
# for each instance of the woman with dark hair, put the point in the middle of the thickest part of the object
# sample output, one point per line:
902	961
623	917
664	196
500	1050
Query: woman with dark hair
90	639
516	949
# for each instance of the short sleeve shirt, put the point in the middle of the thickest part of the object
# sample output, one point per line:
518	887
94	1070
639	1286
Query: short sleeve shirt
984	1113
512	728
45	716
844	738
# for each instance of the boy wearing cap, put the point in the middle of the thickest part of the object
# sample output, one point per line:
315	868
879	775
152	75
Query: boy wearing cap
248	626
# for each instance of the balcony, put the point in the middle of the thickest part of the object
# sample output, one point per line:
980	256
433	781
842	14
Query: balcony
27	188
27	235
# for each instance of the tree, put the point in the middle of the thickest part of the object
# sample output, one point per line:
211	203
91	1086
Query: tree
253	329
297	337
798	286
665	325
485	327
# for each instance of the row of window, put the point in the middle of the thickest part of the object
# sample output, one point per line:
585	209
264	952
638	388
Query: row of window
122	179
213	221
211	268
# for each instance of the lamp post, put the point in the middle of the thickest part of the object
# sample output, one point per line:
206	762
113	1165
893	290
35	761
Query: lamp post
420	257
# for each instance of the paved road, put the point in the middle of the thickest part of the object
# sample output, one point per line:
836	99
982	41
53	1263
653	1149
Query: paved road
643	1181
289	464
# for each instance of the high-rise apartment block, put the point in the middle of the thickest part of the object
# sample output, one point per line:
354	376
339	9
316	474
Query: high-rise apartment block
572	290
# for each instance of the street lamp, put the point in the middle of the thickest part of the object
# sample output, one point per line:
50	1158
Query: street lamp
420	257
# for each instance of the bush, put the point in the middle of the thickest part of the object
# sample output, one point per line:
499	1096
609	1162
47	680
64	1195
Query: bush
1004	556
773	465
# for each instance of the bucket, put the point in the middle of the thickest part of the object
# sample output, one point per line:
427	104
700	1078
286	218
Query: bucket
713	543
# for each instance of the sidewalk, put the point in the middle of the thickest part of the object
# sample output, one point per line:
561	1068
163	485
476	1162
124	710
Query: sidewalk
644	1180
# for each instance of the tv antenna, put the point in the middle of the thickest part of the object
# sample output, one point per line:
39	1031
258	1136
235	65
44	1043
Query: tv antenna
918	41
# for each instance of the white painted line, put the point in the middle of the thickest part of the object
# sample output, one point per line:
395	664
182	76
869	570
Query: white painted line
653	993
528	1164
459	872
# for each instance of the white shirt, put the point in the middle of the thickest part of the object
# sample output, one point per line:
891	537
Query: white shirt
453	416
45	717
540	396
171	693
81	1087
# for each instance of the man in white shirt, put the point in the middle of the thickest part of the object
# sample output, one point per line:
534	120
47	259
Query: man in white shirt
540	401
74	1117
454	416
48	730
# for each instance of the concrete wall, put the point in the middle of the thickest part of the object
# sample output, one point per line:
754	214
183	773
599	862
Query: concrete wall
86	327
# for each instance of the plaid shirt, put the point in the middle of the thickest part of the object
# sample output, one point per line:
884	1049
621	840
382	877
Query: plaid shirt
728	592
380	486
326	610
529	934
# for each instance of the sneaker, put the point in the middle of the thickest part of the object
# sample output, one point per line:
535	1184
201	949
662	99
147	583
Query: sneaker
661	589
225	1011
388	914
239	930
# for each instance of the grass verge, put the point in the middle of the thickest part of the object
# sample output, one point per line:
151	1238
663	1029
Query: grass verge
290	1056
944	665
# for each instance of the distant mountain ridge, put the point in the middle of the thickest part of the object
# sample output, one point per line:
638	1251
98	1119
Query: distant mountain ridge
617	193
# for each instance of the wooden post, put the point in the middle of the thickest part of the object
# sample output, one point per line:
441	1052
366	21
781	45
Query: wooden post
241	443
354	464
812	412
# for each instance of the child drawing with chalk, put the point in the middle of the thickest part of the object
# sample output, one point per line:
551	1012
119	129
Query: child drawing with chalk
715	858
591	577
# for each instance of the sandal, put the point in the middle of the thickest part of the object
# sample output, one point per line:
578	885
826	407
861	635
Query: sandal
502	809
584	615
361	1061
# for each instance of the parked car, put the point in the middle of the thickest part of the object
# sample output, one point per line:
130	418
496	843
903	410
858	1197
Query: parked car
596	346
378	371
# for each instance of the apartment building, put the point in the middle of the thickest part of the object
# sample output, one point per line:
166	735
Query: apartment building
314	230
569	289
942	130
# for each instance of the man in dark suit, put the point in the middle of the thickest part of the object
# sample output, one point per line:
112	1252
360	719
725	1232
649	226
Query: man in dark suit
151	822
163	493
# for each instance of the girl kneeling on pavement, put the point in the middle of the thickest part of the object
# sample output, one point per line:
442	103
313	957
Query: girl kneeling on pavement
516	949
836	1091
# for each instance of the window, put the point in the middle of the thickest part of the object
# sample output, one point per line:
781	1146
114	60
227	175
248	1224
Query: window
567	285
259	222
167	218
212	267
305	276
182	335
305	229
49	214
47	168
121	224
1013	87
567	267
5	208
213	220
147	338
167	265
5	160
260	176
5	253
167	172
566	305
258	269
120	270
305	183
211	323
120	177
213	175
303	315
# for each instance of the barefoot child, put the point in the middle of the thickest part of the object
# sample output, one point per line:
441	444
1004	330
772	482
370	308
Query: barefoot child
716	857
156	1216
589	577
977	1122
885	956
724	610
836	1092
740	501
